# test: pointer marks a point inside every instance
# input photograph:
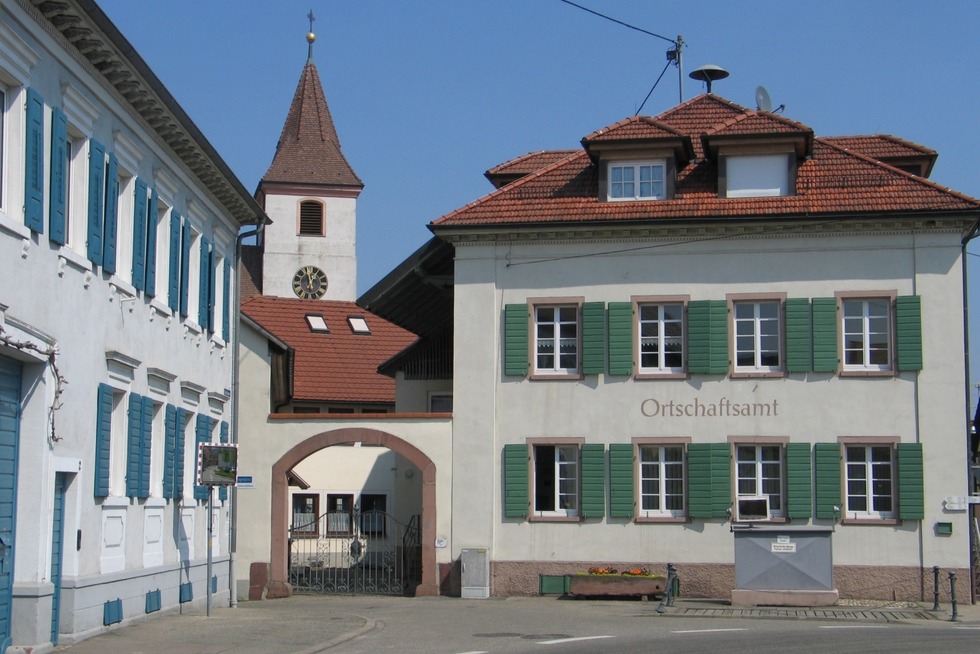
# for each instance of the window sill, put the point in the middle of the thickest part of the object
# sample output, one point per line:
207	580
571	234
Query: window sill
866	373
115	502
661	375
660	519
554	518
15	228
757	374
770	521
881	522
538	376
74	259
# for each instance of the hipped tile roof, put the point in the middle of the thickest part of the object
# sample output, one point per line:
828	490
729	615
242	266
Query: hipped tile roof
308	151
833	181
337	367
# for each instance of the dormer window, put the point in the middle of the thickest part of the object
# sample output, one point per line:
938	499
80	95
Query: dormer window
637	180
757	175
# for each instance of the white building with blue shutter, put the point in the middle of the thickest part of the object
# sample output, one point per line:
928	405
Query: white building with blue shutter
118	227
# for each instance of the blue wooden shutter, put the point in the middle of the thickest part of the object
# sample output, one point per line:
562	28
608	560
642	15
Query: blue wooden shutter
134	445
183	419
173	285
799	335
620	338
223	491
593	458
103	444
516	493
34	163
96	193
908	332
204	284
824	310
622	493
111	216
185	266
515	339
59	170
593	338
911	488
826	463
169	452
212	284
202	433
226	302
146	447
150	287
799	494
139	236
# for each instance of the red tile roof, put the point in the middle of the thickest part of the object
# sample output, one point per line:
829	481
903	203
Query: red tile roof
833	181
340	366
308	151
526	163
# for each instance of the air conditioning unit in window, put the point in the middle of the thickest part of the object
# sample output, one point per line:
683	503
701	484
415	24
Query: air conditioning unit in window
752	509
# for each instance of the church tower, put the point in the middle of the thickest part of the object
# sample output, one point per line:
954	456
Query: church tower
310	192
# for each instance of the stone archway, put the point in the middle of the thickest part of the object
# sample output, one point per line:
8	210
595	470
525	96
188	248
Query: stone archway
279	558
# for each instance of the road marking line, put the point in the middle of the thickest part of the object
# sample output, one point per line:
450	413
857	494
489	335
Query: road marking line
559	641
706	631
855	626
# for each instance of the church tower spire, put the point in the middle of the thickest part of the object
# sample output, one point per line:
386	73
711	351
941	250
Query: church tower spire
310	192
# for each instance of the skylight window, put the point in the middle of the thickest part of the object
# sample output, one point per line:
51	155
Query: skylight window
317	323
358	325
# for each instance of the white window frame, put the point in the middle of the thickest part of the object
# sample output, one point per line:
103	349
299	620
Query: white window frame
864	321
754	468
551	335
662	324
125	206
661	479
616	190
560	465
864	477
753	334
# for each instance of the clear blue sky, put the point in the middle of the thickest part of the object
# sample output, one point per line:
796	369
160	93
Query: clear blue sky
428	94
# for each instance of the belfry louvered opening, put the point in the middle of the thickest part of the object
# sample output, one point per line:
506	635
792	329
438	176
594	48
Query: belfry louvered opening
311	218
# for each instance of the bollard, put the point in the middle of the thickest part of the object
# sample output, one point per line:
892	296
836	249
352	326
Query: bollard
935	588
952	596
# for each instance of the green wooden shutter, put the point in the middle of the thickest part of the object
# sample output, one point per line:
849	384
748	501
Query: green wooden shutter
709	480
825	326
799	496
96	194
622	494
620	338
134	442
911	491
103	443
707	337
169	451
515	339
111	215
34	163
593	480
827	487
908	332
139	236
799	335
593	338
59	170
516	492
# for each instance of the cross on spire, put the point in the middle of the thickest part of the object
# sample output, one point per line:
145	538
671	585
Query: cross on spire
310	36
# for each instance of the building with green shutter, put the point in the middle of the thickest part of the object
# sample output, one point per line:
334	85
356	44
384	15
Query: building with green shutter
118	227
701	325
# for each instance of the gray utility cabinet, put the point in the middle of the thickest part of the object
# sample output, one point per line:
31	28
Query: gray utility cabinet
474	564
788	558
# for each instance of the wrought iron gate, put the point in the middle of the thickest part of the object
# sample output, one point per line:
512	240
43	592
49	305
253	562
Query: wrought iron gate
351	552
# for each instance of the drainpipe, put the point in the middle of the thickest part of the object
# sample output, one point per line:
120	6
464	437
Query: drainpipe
974	232
236	323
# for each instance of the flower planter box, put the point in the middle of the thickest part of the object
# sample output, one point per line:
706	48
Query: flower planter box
616	585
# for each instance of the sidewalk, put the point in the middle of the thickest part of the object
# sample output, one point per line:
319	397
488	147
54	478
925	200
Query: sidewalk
309	624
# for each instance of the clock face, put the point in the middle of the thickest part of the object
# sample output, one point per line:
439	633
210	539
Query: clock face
309	283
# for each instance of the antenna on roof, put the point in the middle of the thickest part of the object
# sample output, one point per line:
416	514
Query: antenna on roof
708	73
762	100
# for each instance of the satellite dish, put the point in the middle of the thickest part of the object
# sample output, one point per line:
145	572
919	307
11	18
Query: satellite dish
708	73
762	100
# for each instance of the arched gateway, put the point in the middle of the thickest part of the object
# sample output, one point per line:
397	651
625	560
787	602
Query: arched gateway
279	555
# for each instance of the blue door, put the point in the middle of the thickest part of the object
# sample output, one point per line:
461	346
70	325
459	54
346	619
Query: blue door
9	430
57	538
